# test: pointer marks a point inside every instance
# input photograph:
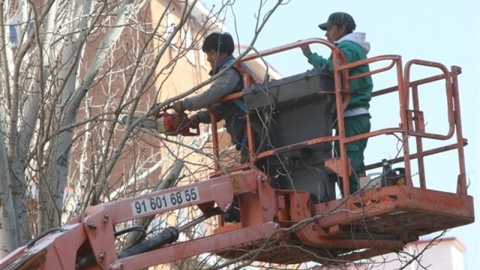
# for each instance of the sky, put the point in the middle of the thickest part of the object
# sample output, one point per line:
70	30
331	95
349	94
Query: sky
444	31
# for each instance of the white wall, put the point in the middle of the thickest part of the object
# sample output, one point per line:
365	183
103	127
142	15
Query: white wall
443	254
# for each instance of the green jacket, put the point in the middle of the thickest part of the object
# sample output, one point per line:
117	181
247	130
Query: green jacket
355	48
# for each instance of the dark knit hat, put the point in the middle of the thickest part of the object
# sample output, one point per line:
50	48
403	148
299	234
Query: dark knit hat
219	42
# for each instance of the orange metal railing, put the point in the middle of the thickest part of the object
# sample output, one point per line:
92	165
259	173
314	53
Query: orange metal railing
411	116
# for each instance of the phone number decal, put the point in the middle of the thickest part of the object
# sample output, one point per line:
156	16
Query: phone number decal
171	199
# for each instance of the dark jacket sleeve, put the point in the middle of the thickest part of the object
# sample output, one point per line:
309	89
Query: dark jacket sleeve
222	86
203	116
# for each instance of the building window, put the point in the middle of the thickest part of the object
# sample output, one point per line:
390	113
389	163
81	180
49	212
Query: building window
170	29
189	47
202	60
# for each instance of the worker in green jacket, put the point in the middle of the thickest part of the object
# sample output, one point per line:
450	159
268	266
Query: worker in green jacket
339	27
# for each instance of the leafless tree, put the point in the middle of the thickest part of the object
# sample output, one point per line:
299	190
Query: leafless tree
69	70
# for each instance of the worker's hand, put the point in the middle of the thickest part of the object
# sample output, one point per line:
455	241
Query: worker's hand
177	106
306	50
194	121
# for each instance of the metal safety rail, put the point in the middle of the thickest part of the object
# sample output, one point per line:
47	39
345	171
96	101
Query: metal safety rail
380	220
411	119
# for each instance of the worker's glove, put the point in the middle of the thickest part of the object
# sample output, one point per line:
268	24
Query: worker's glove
177	106
194	121
306	50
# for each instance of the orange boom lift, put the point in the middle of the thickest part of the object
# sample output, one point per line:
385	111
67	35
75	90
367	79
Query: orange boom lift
289	212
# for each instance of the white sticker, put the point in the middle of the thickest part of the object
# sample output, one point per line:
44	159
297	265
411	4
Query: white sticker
164	201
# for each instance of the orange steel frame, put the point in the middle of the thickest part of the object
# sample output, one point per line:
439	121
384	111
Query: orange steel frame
360	225
414	211
411	119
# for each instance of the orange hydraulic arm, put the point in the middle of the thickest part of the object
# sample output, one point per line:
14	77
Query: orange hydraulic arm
88	240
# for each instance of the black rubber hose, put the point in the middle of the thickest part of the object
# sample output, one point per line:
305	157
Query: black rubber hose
167	236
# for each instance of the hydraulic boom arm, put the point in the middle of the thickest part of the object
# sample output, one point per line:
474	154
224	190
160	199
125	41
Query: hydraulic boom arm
88	240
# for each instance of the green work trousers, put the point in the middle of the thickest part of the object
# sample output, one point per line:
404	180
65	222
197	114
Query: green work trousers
355	125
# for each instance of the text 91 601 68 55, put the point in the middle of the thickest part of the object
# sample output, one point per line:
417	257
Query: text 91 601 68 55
164	201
